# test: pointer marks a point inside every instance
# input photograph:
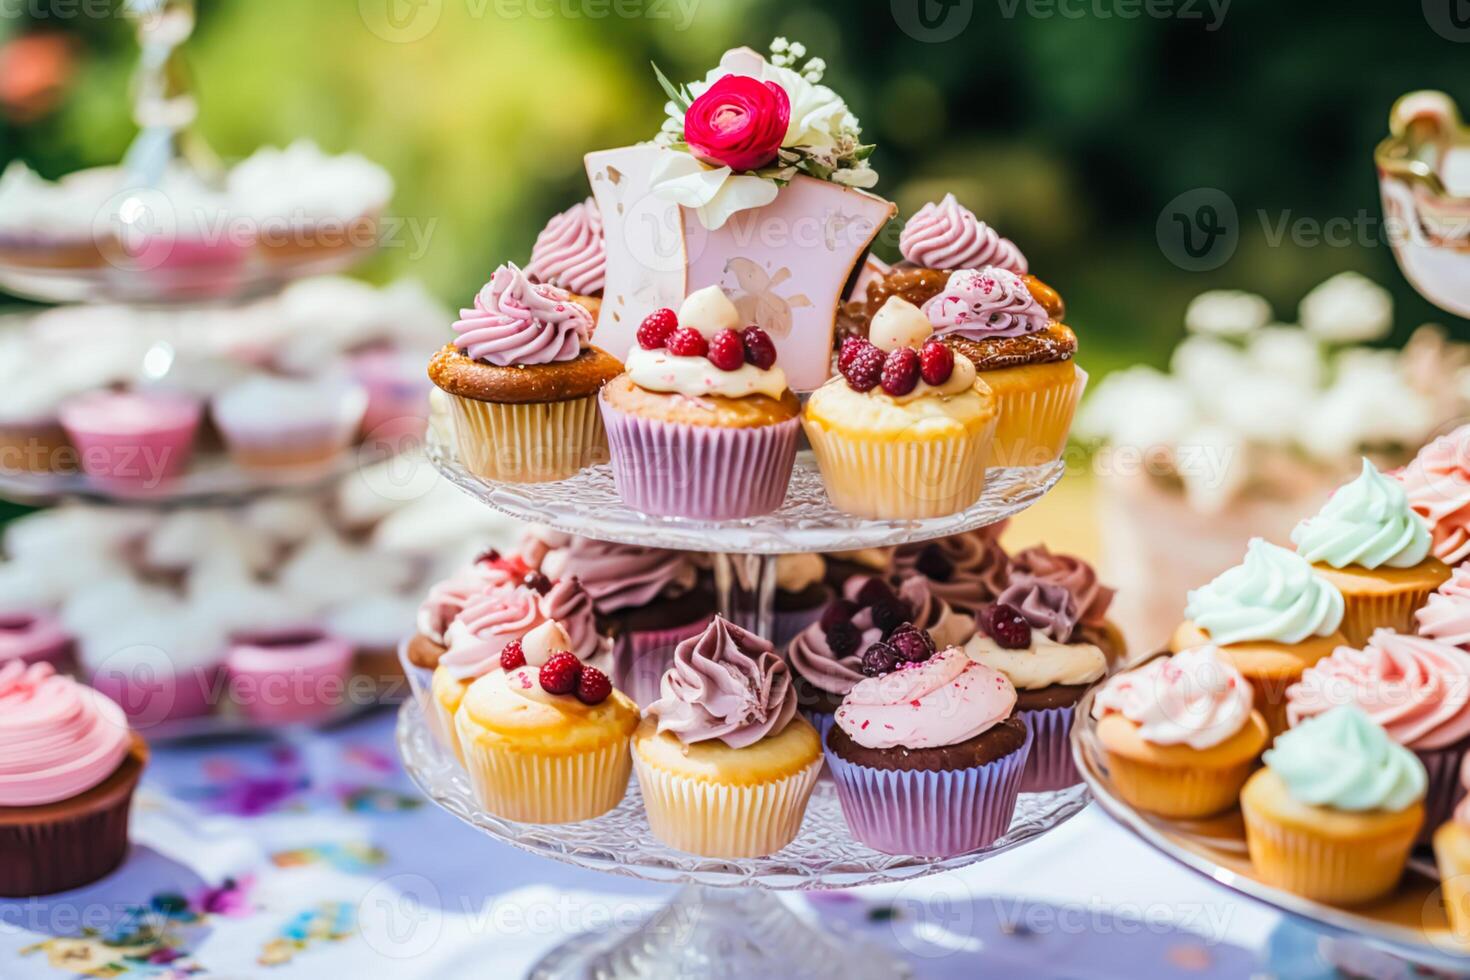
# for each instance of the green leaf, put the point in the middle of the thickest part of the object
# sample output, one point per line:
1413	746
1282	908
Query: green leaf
679	96
864	150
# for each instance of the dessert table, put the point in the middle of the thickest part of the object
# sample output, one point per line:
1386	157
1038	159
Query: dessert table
312	855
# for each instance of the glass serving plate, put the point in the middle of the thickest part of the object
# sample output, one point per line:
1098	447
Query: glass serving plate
729	924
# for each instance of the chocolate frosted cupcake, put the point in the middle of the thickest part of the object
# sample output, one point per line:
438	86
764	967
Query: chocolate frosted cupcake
68	768
1030	634
965	570
1092	597
927	758
725	763
646	600
570	253
524	379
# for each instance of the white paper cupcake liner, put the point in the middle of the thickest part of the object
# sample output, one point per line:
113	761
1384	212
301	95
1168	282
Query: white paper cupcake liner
1034	425
534	443
724	819
529	787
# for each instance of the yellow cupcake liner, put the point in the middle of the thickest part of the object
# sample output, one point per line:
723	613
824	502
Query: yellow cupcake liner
534	443
723	819
1171	791
898	478
1034	423
1365	612
1454	877
1336	870
441	723
531	787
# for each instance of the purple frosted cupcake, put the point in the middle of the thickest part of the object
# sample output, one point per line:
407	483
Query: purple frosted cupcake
965	570
1032	635
927	757
702	424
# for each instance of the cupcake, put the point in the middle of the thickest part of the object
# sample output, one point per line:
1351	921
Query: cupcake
725	763
48	225
928	758
1416	689
1031	635
904	431
1178	734
445	601
1272	617
132	439
570	254
1445	616
284	676
1334	813
522	380
68	768
160	664
1452	855
801	594
647	600
702	425
397	395
966	570
272	424
1368	543
32	439
1437	484
33	638
545	740
862	563
990	316
829	656
1092	597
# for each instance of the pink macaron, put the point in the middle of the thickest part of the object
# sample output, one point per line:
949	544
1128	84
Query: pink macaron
32	638
138	439
284	676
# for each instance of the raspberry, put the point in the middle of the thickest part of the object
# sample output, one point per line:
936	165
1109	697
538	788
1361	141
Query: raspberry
654	332
837	611
538	582
560	674
1006	626
726	352
760	350
843	639
687	342
933	565
936	363
512	656
880	658
865	369
914	645
901	372
874	590
849	350
593	687
889	614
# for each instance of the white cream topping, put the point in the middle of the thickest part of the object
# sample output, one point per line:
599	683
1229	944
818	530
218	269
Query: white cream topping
899	324
658	370
546	639
709	311
1044	663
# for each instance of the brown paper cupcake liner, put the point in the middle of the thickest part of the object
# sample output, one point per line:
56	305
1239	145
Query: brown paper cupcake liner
531	787
1033	425
1346	871
1364	613
724	819
534	443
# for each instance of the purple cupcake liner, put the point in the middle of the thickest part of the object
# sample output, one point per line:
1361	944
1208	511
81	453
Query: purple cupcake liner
1049	766
1444	790
929	814
701	472
785	625
822	721
640	658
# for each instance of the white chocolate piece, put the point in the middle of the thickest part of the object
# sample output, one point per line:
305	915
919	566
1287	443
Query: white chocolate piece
546	639
709	311
899	324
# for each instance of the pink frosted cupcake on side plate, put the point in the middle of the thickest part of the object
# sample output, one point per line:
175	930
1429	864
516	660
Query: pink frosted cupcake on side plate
1415	688
1437	483
34	638
702	424
68	768
275	423
136	439
928	758
570	254
287	676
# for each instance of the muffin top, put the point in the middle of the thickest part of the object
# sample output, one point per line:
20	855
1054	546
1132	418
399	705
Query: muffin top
944	700
1416	689
1342	760
1194	698
1028	635
570	252
1273	596
1446	615
726	684
58	738
1366	524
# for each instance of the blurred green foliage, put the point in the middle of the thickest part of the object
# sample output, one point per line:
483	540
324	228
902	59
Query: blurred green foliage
1068	124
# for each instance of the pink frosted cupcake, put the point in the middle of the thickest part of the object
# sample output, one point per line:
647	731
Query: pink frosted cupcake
271	423
927	758
702	424
33	638
397	395
1437	483
288	676
570	253
137	439
1446	615
445	601
1415	688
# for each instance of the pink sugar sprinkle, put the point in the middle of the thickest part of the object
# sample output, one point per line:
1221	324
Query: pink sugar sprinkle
915	702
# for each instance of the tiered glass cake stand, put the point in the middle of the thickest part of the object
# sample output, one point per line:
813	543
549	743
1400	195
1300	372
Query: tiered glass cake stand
726	920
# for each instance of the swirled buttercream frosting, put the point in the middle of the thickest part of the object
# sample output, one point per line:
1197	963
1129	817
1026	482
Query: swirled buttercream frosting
58	738
1342	760
517	322
570	251
946	235
1193	698
1272	596
1367	523
980	304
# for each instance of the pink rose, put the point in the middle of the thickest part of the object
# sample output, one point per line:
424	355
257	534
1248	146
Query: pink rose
739	123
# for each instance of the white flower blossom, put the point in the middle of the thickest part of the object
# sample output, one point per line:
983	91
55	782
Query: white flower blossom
1348	309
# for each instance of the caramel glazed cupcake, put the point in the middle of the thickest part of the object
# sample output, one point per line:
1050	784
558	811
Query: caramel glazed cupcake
975	288
523	381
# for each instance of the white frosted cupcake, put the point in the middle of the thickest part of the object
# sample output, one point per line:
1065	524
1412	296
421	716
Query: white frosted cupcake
271	423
